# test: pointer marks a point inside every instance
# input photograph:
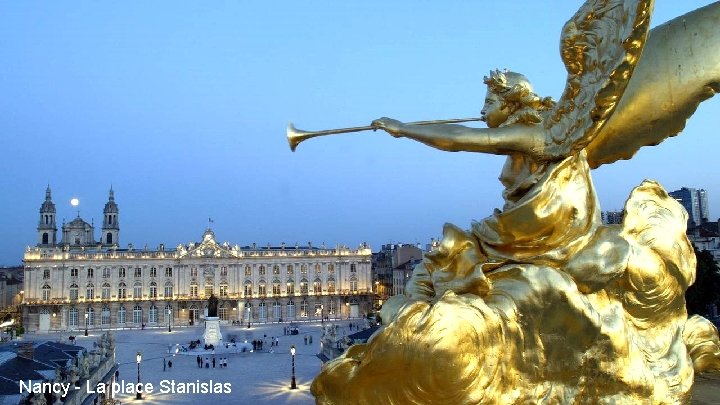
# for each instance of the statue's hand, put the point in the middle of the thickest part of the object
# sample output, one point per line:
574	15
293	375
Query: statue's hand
389	125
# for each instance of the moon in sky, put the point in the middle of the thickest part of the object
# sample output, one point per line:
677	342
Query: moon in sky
74	202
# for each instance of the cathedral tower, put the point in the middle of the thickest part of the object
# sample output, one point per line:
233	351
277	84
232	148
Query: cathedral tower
111	227
47	228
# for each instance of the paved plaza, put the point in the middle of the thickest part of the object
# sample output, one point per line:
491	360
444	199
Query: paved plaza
260	377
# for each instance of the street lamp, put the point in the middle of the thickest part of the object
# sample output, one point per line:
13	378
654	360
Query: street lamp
139	359
169	312
293	386
248	316
86	323
322	318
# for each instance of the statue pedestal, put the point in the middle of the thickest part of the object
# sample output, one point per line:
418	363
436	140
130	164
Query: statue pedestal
212	335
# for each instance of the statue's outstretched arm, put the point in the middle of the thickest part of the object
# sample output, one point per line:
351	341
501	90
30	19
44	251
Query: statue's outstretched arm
508	140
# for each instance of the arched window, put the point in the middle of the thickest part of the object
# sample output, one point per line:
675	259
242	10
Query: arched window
137	290
105	316
303	309
332	310
248	288
290	286
193	289
303	286
105	292
108	238
168	313
209	287
89	291
73	291
90	316
276	287
122	291
168	289
73	318
262	309
331	285
317	286
45	292
353	284
276	311
137	314
248	311
262	289
121	315
291	310
153	315
153	289
222	312
223	289
45	238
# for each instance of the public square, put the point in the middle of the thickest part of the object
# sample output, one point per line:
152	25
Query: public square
259	377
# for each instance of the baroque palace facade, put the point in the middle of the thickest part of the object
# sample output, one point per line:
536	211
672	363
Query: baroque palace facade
80	283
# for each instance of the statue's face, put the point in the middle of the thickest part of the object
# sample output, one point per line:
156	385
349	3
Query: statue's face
494	112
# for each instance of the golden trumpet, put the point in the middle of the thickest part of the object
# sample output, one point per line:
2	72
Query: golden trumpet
295	136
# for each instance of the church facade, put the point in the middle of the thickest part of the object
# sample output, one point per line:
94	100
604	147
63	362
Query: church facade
80	283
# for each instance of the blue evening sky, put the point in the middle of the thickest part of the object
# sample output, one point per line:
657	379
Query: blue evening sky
182	108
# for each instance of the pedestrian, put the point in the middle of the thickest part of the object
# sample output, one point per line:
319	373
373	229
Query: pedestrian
213	362
170	364
164	364
199	361
310	339
305	338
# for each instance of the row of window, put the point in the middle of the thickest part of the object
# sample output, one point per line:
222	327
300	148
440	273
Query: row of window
73	315
223	312
106	272
90	273
105	289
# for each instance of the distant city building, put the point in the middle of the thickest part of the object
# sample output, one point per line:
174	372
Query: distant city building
612	217
390	258
695	203
54	362
11	291
81	282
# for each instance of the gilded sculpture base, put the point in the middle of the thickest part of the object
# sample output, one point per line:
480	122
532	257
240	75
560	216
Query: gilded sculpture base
540	302
603	322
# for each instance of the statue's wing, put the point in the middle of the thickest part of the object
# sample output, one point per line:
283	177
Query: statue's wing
600	46
679	68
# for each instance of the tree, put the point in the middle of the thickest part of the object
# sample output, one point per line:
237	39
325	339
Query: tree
706	289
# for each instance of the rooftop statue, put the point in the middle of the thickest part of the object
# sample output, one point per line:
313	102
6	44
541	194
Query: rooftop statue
541	302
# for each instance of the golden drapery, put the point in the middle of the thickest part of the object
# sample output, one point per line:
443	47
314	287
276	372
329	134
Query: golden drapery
597	316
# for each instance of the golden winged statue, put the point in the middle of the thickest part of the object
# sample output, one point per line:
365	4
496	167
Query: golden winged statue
540	302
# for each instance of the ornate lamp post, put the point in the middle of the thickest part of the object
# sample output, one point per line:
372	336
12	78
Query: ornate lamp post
169	312
293	386
248	316
322	314
86	323
139	359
